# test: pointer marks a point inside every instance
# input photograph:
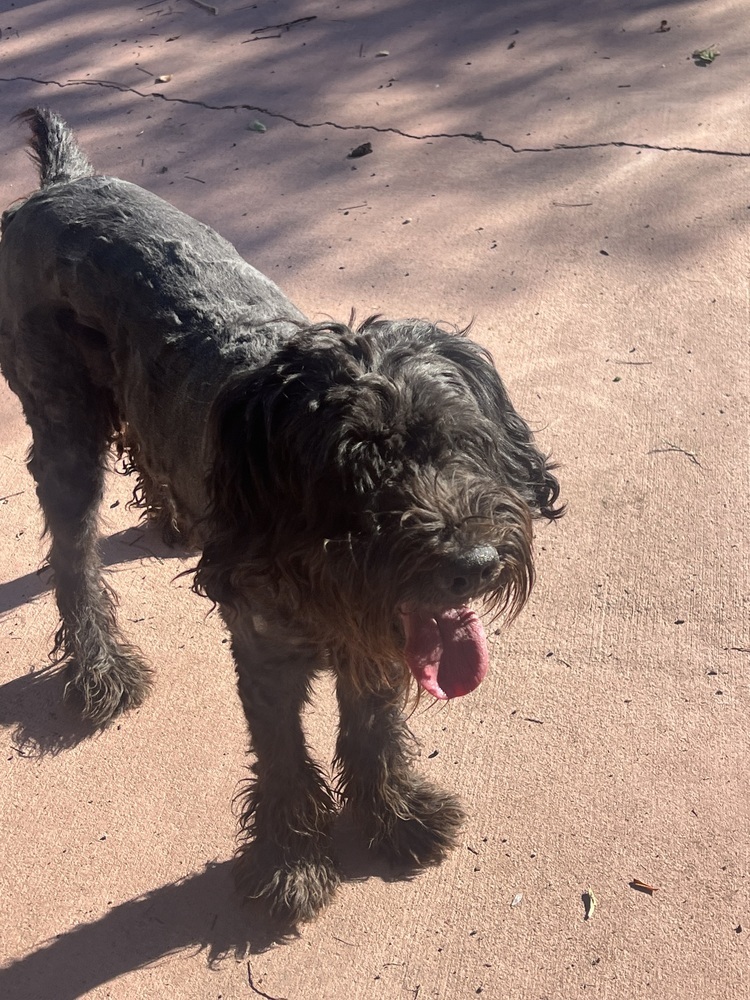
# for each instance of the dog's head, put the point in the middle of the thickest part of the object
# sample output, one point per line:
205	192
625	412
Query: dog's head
370	485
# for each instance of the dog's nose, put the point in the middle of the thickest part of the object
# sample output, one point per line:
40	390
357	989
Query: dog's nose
469	571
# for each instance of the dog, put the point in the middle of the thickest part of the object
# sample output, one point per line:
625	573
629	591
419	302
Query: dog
351	492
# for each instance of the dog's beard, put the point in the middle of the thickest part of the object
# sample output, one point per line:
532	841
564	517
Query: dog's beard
374	602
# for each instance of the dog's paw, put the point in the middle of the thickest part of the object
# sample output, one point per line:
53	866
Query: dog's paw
113	682
294	889
417	825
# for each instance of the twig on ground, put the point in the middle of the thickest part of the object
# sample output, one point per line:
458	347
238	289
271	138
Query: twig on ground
284	25
205	6
254	988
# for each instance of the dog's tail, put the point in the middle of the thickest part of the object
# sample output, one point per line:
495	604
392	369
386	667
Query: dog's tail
54	148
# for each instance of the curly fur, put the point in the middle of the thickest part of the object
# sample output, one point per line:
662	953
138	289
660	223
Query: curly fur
332	478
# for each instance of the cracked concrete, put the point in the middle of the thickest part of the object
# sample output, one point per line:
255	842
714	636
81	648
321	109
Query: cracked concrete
609	278
474	136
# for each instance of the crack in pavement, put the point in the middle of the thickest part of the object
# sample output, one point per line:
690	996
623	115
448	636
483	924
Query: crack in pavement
474	136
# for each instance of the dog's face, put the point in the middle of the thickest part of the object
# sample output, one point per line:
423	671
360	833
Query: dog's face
375	483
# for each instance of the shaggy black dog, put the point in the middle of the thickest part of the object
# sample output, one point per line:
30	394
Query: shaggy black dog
351	492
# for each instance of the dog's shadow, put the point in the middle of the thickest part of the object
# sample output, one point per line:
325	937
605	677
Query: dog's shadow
140	542
201	912
41	723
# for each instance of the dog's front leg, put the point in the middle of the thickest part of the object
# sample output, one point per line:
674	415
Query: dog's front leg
285	854
412	821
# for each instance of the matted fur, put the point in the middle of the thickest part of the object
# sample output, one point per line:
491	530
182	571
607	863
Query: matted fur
333	479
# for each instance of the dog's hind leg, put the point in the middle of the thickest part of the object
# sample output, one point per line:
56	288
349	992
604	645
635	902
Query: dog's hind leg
71	420
285	858
411	821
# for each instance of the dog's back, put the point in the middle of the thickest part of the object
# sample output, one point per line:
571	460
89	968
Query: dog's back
127	248
104	282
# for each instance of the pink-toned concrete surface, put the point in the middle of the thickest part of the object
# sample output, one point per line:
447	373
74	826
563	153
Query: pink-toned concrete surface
610	741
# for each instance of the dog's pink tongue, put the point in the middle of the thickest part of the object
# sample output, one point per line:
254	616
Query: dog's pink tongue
447	653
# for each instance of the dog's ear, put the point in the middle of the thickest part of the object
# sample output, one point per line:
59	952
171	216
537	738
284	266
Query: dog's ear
269	442
239	485
240	469
528	469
